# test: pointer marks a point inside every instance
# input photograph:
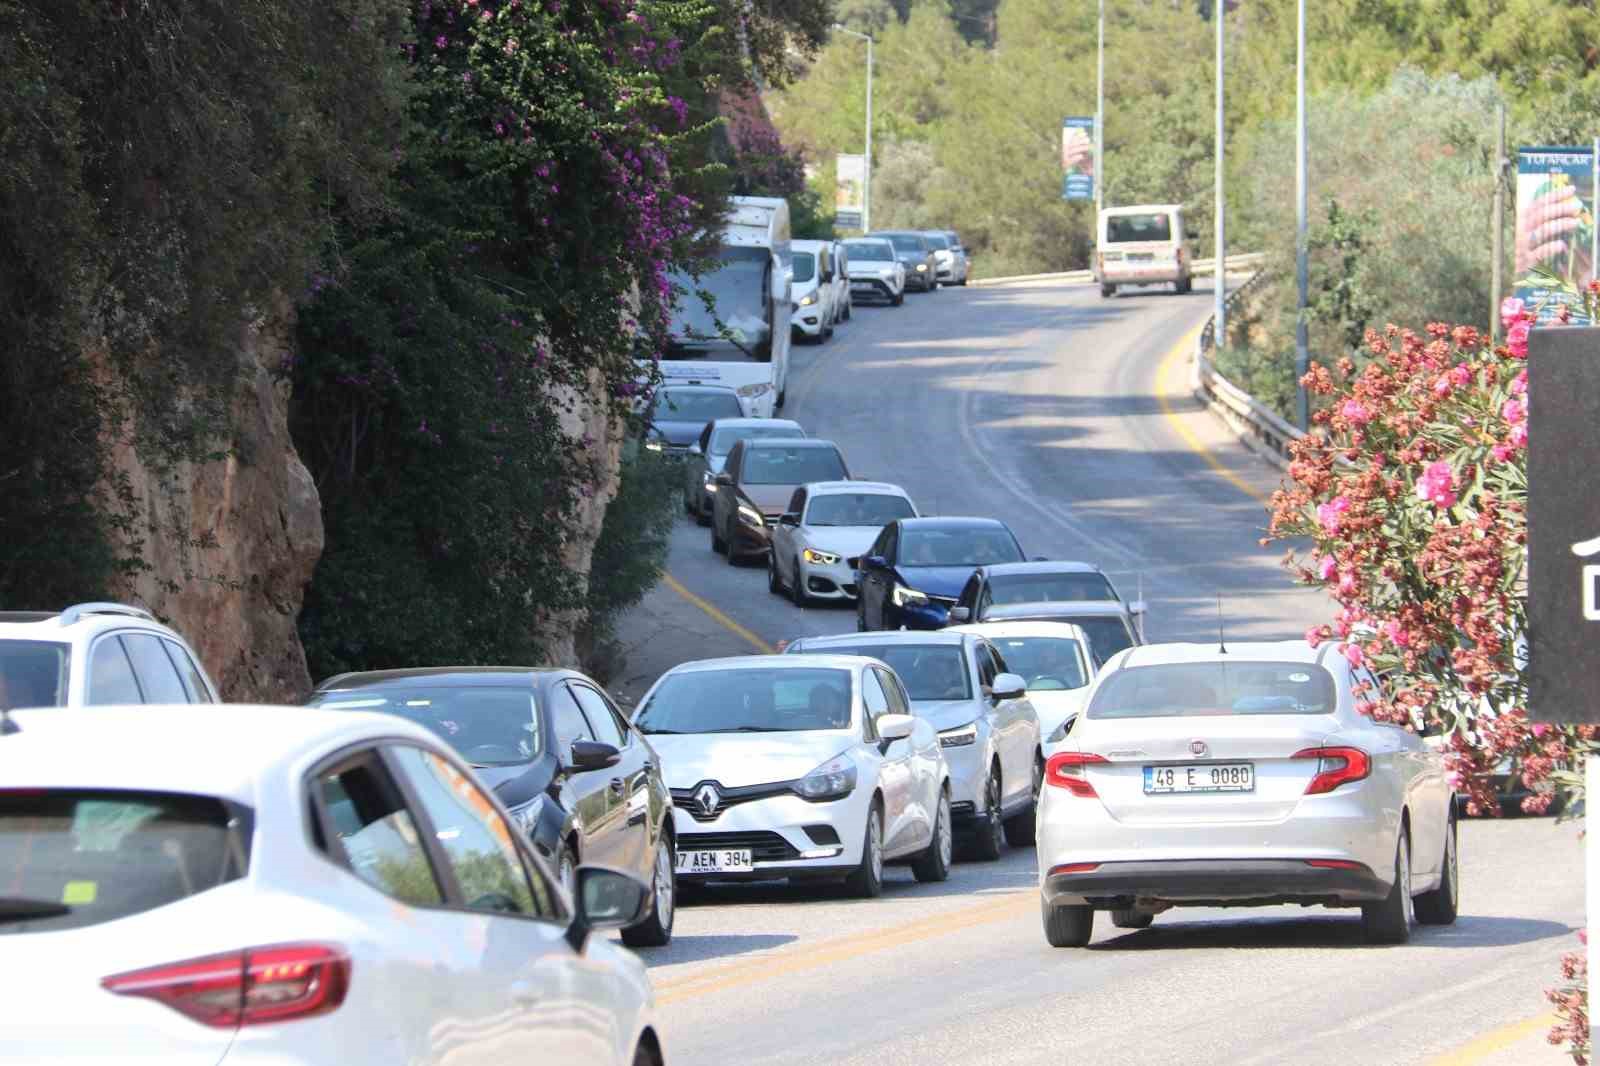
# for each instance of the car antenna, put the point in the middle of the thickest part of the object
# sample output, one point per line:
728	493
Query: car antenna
1222	640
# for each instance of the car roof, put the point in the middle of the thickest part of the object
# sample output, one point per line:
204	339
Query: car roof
887	637
953	522
740	423
1028	627
1294	651
1140	209
420	676
215	749
61	626
1048	608
837	488
753	662
1040	567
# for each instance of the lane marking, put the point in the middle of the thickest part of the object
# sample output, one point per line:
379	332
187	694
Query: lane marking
1173	360
1497	1040
716	615
828	952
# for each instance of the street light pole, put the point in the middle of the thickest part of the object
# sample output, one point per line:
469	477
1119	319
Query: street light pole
1302	263
1219	333
1100	120
866	178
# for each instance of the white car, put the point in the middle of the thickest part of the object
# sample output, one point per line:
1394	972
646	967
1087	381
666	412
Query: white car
807	767
817	543
843	305
93	654
1244	776
239	884
987	727
812	291
875	271
1053	658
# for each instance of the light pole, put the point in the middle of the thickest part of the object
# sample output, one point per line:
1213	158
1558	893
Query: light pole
1219	334
1100	121
1302	248
866	179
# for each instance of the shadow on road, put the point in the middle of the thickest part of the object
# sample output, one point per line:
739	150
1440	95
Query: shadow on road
1330	931
714	946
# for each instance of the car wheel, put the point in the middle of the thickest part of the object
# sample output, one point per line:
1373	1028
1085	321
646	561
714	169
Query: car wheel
849	309
866	881
1107	291
934	863
567	868
733	556
1438	907
774	583
689	507
1068	925
656	930
987	838
783	394
718	545
797	588
1131	918
1020	826
1389	920
644	1055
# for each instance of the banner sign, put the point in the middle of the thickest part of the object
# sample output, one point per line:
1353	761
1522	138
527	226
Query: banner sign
849	191
1077	158
1556	232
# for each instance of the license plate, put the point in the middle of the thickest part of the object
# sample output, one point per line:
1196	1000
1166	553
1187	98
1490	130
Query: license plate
1200	777
1141	257
730	861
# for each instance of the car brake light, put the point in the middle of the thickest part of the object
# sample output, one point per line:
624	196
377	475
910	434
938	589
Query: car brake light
248	987
1065	770
1334	864
1075	868
1335	767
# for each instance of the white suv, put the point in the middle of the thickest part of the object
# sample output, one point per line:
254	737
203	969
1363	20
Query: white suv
96	653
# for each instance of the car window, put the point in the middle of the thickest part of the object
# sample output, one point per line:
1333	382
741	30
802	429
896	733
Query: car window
601	719
705	437
33	673
158	678
477	842
1042	588
694	405
189	670
872	697
774	465
805	266
986	667
1045	663
959	546
378	834
111	675
568	720
488	725
1107	635
1152	227
929	671
747	700
898	702
797	502
726	437
1215	689
871	509
985	601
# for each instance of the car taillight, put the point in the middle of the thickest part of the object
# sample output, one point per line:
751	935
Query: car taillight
1075	868
1065	770
248	987
1335	767
1334	864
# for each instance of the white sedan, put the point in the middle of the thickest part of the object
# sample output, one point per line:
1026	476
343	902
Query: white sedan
1245	776
799	767
818	541
238	884
1055	660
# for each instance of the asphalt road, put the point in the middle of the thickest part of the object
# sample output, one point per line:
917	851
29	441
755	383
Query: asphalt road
1067	416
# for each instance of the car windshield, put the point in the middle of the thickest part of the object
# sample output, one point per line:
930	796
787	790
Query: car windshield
33	673
71	858
874	509
1215	689
928	671
870	251
805	266
723	440
694	405
957	547
1154	227
1042	588
938	242
489	725
748	700
738	288
1107	636
908	244
1046	663
791	466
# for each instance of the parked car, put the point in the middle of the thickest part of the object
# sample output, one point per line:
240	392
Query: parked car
913	571
1053	658
93	654
252	884
876	270
843	302
1111	625
812	290
578	781
1200	775
951	267
806	767
1143	245
709	454
987	727
817	543
756	485
1039	581
680	413
913	249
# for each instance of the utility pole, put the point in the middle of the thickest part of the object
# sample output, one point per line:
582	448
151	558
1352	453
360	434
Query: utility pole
1302	242
1100	122
1219	333
866	178
1498	238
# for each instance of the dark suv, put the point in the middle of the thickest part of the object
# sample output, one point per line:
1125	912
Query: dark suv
913	249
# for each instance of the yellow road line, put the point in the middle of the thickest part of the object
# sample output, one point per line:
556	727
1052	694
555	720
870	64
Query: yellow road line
717	616
1496	1040
829	952
1164	387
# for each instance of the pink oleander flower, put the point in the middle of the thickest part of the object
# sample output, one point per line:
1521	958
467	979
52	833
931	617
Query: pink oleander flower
1314	636
1517	338
1328	568
1353	654
1519	384
1437	485
1511	310
1442	387
1519	435
1397	634
1514	411
1347	582
1539	729
1330	514
1355	412
1502	452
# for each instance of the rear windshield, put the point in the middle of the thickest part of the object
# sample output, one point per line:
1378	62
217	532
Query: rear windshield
1045	663
489	725
928	671
939	242
1043	588
33	673
791	466
723	440
73	858
694	405
1215	689
805	266
869	251
765	700
1120	228
909	244
1107	636
873	509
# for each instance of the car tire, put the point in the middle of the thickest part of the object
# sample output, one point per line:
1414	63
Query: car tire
849	309
1184	286
718	545
990	830
732	554
567	868
866	880
1067	925
1389	920
688	506
783	394
656	930
644	1055
1131	918
797	589
861	613
1107	291
897	299
934	863
702	515
1438	906
1020	826
774	583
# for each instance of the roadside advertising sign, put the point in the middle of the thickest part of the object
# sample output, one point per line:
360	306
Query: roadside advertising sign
849	189
1556	233
1077	158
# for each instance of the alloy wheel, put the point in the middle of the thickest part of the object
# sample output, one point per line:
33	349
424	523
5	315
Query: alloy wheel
875	845
1452	860
991	797
666	876
946	834
1404	876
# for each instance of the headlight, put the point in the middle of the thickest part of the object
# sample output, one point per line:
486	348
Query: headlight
808	299
959	738
811	555
750	515
752	391
905	597
653	445
527	815
922	266
708	479
833	780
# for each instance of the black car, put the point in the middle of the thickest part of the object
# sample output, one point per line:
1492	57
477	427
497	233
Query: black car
913	249
910	577
1006	584
681	412
578	778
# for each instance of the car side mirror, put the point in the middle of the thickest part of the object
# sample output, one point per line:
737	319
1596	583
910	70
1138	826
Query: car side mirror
788	518
959	615
605	899
1008	687
895	726
593	755
874	562
724	478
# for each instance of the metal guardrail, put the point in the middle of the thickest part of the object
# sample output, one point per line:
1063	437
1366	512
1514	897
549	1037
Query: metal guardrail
1199	266
1245	415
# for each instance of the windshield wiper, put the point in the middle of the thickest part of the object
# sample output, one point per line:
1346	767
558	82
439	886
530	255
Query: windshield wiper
21	908
660	732
757	729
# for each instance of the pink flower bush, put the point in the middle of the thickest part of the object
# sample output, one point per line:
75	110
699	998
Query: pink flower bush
1437	485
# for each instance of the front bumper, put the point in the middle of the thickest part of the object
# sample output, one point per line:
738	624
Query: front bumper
969	765
931	615
789	837
808	320
1214	883
750	540
868	287
828	581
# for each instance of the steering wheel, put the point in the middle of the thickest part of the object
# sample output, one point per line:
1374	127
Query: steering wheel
492	753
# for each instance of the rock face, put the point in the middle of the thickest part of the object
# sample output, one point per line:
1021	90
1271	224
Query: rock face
230	544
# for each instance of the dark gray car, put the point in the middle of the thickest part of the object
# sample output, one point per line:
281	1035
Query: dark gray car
912	248
680	412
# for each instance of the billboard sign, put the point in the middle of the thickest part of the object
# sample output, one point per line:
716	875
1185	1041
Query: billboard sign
849	191
1556	233
1077	158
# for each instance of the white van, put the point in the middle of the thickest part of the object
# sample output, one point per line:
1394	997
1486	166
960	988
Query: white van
1142	245
812	292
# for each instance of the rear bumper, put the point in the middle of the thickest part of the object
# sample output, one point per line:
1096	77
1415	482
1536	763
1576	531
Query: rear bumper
1150	275
1215	882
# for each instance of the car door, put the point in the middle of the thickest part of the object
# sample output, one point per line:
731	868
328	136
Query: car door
787	541
540	1001
695	468
894	770
1017	725
630	779
922	760
596	805
877	582
111	678
994	713
723	501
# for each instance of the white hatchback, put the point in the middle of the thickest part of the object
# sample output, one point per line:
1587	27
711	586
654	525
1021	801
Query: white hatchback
1198	776
240	884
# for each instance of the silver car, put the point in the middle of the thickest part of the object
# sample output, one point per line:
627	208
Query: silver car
709	453
948	254
989	731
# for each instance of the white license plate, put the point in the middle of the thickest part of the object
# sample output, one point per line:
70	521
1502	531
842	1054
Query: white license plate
1200	777
729	861
1141	257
